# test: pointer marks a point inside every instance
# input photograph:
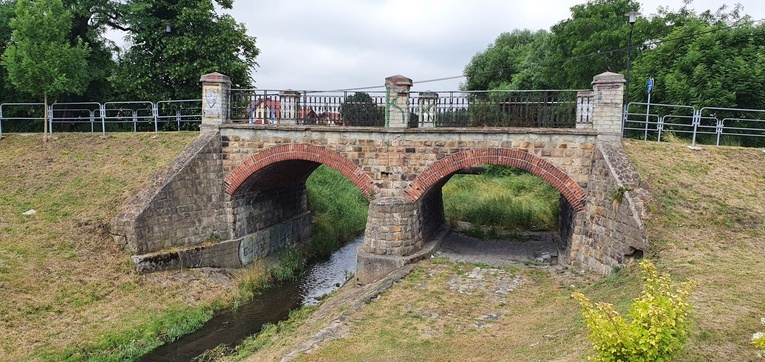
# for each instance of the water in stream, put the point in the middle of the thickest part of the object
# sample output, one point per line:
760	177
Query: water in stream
231	327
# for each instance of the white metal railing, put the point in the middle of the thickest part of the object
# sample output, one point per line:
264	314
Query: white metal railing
707	125
95	116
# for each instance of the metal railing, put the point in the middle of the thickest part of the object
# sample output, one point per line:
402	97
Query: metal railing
16	112
539	109
181	113
256	106
707	125
545	108
135	116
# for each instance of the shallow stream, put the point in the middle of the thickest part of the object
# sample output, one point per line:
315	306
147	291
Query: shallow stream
274	305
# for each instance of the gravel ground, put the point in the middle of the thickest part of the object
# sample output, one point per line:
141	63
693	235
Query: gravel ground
525	249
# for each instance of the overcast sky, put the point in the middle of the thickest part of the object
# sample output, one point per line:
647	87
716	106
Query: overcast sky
336	44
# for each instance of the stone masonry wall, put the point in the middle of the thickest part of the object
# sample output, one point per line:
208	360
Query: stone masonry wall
275	238
431	211
233	253
257	210
183	206
394	157
609	234
566	217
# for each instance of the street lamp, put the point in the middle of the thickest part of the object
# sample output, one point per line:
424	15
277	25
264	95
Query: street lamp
632	19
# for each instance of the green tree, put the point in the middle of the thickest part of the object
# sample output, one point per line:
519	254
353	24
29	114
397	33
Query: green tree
7	9
167	65
511	54
711	60
90	21
595	39
41	61
359	109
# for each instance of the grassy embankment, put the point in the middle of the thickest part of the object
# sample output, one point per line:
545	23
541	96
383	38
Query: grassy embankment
707	223
67	292
66	289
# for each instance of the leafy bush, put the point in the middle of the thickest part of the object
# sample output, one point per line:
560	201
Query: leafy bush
659	321
758	340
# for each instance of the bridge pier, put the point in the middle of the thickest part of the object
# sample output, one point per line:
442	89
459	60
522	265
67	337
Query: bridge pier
399	232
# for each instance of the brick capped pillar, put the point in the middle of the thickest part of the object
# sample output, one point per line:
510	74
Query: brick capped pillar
393	233
215	90
397	101
607	108
428	109
289	102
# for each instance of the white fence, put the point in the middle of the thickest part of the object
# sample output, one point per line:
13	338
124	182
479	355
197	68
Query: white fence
101	117
707	125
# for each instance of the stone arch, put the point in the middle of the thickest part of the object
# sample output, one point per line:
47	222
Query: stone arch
499	156
298	152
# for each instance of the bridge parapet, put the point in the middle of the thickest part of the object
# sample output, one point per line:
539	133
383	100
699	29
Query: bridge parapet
398	107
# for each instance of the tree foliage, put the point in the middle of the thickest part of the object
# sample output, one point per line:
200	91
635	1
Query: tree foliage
7	11
41	61
155	64
712	60
359	109
90	22
592	41
168	65
707	59
508	62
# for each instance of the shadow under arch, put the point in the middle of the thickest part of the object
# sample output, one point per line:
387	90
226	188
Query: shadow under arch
282	163
446	166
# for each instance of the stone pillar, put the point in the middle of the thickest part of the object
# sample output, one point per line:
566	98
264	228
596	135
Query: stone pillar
428	108
393	234
215	94
608	105
289	102
397	101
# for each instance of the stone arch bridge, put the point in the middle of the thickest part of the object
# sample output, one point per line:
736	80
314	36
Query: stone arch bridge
237	193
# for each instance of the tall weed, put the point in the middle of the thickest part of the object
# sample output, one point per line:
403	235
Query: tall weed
504	197
339	209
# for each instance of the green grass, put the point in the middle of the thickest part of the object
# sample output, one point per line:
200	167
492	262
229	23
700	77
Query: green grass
270	333
130	344
67	291
504	197
291	263
339	209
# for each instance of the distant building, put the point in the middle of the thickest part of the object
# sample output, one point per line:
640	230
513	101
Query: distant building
264	111
309	116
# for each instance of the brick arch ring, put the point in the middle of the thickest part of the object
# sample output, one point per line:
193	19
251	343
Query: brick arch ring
498	156
299	152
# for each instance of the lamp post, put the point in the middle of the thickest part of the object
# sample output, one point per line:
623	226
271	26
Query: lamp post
632	18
